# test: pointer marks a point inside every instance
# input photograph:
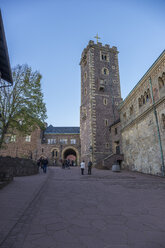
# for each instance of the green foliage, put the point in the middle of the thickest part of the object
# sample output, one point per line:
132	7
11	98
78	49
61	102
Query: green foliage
21	106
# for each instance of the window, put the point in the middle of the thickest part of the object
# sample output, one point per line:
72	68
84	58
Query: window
51	141
7	139
163	121
161	83
140	102
148	95
102	85
106	122
115	130
55	153
107	145
124	116
105	101
85	75
105	71
104	57
28	138
42	150
73	141
113	67
131	110
84	113
85	91
63	141
13	138
143	100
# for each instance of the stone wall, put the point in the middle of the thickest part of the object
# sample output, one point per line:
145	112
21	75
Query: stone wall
140	141
18	166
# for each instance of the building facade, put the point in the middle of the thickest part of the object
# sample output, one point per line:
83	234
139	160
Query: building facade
22	146
60	143
143	122
100	97
55	143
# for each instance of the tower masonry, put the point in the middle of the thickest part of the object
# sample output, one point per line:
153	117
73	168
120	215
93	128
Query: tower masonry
100	97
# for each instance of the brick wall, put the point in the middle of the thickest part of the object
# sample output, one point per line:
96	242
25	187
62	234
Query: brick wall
20	147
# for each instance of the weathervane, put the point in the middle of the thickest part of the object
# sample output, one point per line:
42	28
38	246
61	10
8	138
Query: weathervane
97	37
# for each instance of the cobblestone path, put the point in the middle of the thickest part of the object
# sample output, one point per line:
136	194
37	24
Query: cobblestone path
63	209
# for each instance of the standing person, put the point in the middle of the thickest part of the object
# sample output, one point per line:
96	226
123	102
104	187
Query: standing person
39	163
82	165
45	163
89	167
68	163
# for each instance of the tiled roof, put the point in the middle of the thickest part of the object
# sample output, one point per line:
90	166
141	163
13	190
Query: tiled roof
51	129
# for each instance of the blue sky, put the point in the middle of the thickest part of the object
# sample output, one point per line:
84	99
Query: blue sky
49	36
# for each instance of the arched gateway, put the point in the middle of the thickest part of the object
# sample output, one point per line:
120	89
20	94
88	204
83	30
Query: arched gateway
71	153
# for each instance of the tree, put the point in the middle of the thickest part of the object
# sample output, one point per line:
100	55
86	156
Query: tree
21	106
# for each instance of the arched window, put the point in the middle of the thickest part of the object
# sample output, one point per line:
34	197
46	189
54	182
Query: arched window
140	102
160	83
105	101
143	99
163	77
54	153
85	75
131	110
105	71
163	121
148	95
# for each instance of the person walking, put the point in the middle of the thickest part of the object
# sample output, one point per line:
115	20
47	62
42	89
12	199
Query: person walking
89	167
45	163
82	166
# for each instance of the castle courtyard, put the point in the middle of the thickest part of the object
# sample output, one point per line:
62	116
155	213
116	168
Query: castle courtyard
63	209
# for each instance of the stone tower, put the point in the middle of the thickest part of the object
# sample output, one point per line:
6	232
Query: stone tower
100	97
